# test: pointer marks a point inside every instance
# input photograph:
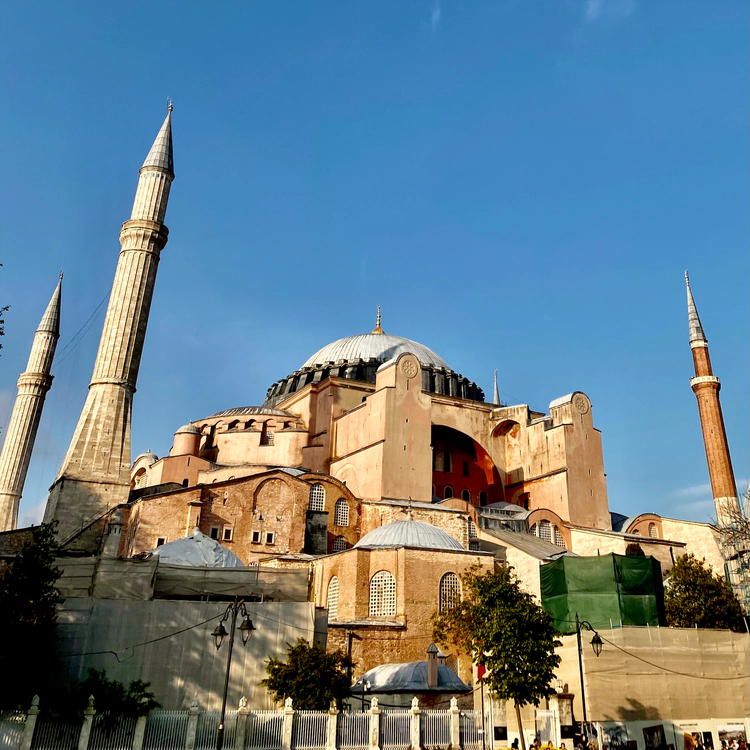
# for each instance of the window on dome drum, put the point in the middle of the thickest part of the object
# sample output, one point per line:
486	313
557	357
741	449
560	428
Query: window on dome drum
545	531
483	498
317	497
333	598
448	492
450	591
341	513
559	541
266	436
466	495
339	544
533	530
382	595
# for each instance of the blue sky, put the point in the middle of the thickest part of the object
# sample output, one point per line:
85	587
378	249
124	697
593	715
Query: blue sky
519	185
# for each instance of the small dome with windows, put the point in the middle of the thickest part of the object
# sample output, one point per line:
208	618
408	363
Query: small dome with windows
188	429
409	534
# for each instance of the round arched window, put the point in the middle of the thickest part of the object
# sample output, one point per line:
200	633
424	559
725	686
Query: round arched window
382	595
317	497
339	544
333	598
450	591
341	513
448	492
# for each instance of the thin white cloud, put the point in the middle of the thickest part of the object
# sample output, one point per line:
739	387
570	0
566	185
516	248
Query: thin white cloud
612	10
695	491
435	16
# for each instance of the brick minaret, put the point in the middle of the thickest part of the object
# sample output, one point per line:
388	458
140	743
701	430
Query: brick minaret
706	387
27	411
95	474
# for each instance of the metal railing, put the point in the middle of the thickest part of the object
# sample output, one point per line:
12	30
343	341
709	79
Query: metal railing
285	729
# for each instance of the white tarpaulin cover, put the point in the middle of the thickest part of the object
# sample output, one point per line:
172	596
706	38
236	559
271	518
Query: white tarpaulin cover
198	550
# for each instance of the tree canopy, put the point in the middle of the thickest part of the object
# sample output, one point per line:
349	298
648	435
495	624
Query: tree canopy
694	596
504	630
311	676
28	618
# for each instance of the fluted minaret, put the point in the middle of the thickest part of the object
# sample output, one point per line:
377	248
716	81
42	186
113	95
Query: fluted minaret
706	387
95	474
27	411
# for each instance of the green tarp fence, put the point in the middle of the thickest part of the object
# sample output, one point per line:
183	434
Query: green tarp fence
608	591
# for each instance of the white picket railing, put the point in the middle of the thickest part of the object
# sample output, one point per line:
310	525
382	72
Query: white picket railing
244	729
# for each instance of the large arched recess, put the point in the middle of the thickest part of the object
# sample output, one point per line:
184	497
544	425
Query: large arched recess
462	466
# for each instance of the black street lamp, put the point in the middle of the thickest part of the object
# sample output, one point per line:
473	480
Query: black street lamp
220	633
596	644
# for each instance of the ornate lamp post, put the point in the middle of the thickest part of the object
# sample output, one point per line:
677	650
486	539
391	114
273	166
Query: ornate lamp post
596	644
220	633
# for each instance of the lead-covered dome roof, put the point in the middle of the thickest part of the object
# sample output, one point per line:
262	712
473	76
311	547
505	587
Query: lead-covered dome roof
409	534
378	346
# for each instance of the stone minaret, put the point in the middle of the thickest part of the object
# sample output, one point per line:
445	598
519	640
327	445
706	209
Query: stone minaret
706	387
95	474
27	411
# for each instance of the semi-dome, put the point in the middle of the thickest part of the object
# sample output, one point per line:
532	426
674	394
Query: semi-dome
378	346
409	534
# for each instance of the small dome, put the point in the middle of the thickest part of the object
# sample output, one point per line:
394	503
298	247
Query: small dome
197	550
150	456
409	534
379	346
410	678
188	429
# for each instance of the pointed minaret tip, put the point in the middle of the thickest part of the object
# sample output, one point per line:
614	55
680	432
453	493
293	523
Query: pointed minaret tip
160	155
694	322
496	394
377	328
51	319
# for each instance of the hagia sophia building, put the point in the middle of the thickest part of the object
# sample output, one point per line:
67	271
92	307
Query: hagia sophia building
375	466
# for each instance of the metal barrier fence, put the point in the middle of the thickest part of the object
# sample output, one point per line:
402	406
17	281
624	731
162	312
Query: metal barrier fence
244	729
11	729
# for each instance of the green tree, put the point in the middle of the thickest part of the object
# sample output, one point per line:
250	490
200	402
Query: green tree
505	631
311	676
28	618
694	596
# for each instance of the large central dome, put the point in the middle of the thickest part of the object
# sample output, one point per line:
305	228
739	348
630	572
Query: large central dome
379	346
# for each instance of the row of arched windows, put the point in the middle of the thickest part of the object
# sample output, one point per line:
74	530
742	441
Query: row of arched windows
465	495
340	509
549	532
383	594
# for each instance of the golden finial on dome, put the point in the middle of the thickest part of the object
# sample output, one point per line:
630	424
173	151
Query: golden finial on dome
378	329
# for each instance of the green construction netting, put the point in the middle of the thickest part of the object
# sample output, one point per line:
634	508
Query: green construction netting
607	591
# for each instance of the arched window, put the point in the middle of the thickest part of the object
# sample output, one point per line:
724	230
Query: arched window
545	531
472	530
483	498
317	497
635	531
266	434
333	598
533	530
559	541
448	492
141	478
652	531
450	591
466	495
339	544
382	595
341	513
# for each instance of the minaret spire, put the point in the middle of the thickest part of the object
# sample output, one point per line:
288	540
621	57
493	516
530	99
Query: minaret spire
496	394
706	387
27	412
95	474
